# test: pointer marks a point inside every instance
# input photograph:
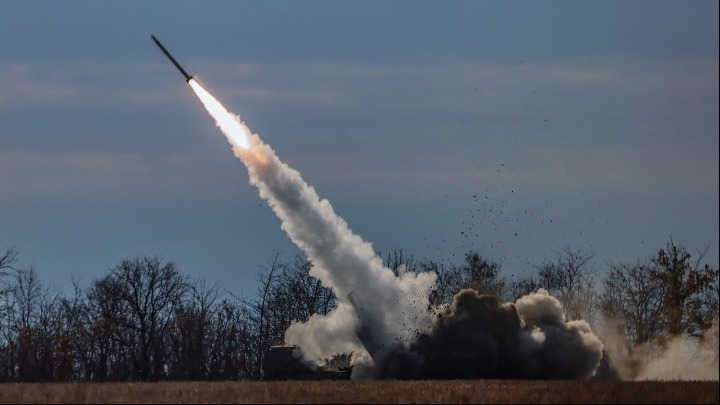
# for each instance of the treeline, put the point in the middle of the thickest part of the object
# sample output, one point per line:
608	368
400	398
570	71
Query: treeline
146	321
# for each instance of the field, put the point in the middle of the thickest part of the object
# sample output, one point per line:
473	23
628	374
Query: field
477	391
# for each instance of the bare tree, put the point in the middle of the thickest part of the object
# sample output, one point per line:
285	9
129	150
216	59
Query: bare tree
189	337
259	312
292	296
234	350
147	292
522	287
287	293
27	294
397	259
571	278
108	330
7	314
75	349
444	288
36	326
7	262
302	294
482	275
477	272
634	298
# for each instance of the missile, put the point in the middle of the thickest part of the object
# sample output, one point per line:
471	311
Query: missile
177	65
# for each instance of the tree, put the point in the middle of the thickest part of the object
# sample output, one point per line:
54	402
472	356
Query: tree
75	348
210	338
443	290
570	278
7	313
189	337
233	352
687	287
635	299
259	312
107	330
286	294
143	294
655	300
35	327
477	273
523	287
482	275
7	261
396	260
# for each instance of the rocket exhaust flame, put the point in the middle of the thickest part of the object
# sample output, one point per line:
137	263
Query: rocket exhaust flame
230	124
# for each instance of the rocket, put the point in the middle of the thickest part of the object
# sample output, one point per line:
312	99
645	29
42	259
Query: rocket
177	65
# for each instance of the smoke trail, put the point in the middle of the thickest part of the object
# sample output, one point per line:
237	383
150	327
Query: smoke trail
384	310
386	316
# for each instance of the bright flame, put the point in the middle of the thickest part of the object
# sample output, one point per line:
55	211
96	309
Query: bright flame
230	124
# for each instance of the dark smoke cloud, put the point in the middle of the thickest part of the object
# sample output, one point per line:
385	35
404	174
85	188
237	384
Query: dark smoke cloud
479	337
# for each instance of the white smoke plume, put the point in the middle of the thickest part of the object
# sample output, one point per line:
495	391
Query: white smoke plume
389	310
384	319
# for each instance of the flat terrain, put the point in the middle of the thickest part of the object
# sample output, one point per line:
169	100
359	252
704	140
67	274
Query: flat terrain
474	391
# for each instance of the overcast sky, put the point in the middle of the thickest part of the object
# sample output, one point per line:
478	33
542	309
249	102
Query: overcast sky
513	128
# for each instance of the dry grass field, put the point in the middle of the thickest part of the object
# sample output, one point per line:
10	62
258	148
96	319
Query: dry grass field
477	391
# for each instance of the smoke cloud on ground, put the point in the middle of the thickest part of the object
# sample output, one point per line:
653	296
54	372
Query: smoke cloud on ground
681	357
479	337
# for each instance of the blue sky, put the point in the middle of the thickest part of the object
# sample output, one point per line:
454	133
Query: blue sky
513	128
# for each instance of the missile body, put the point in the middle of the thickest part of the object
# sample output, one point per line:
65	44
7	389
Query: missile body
177	65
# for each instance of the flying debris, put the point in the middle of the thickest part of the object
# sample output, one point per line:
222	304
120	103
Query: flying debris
177	65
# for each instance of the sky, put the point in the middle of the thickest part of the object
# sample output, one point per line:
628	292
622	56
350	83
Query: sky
513	128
